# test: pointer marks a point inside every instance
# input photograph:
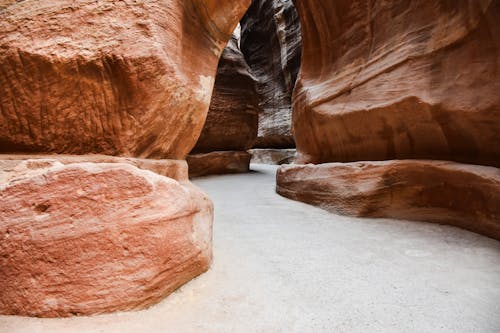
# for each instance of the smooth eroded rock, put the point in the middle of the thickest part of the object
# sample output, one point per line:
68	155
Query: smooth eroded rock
466	196
232	119
175	169
271	43
89	238
398	79
128	78
218	162
273	156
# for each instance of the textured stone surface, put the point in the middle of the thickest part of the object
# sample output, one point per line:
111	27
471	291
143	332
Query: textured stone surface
218	162
271	43
5	3
90	238
458	194
130	78
402	277
176	169
398	79
232	118
273	156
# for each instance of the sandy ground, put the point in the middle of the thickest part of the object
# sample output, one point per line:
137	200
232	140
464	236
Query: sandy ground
283	266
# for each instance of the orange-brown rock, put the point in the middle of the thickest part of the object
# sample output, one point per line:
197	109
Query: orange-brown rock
130	78
5	3
466	196
90	238
398	79
218	162
176	169
232	119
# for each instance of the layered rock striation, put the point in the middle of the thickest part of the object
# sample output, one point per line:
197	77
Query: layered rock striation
392	80
232	121
398	79
232	118
271	43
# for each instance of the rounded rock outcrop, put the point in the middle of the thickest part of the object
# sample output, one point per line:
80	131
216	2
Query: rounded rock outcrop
89	238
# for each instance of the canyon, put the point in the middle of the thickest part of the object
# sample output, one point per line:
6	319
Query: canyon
375	111
271	44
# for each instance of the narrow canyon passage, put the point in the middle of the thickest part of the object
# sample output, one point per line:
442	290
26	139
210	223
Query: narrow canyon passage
284	266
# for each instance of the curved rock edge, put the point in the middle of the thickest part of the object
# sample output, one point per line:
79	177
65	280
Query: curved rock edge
461	195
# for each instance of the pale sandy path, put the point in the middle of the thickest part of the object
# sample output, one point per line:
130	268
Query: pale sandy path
283	266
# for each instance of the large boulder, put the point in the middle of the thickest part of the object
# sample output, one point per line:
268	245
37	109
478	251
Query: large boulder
87	238
398	79
111	77
463	195
271	43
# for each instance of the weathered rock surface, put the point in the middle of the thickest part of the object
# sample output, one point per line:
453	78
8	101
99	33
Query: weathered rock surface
271	43
398	79
5	3
218	162
130	78
175	169
463	195
273	156
90	238
232	119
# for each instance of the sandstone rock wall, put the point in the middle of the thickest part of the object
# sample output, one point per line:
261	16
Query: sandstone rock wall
271	43
392	80
232	121
130	78
399	79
